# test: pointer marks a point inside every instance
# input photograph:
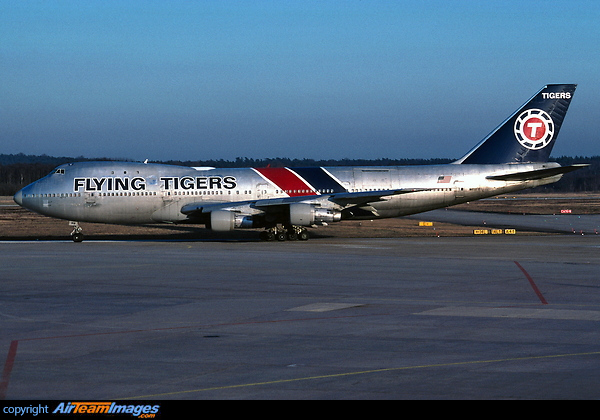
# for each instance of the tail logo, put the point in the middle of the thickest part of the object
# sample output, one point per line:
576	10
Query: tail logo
534	129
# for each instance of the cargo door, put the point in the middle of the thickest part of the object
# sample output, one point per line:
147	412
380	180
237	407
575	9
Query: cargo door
372	179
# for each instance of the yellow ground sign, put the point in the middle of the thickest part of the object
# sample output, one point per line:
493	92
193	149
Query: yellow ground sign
494	231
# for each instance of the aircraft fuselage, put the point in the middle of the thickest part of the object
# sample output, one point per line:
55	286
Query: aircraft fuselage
137	193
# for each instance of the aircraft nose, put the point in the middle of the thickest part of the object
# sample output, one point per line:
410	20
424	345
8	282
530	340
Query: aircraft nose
18	197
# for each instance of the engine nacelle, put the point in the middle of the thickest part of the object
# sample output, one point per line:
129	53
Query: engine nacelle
302	214
224	221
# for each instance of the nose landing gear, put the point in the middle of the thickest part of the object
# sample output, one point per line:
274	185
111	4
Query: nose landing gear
77	234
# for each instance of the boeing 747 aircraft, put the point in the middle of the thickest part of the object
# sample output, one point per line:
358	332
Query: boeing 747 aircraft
285	201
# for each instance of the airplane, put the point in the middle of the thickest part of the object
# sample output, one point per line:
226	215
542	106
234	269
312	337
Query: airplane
287	201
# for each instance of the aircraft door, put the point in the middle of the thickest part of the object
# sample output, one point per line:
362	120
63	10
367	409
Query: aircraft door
262	191
459	189
170	209
90	199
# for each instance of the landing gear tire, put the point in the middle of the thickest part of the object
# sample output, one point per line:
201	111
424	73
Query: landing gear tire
267	235
77	234
303	235
290	233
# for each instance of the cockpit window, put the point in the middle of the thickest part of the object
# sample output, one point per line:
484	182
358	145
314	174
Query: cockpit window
60	171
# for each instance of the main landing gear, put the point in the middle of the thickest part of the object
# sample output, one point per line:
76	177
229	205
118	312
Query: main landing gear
291	233
77	234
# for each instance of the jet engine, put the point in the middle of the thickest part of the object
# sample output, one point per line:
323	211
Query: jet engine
302	214
224	220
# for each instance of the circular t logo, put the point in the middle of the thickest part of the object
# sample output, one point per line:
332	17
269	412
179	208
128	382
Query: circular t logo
534	129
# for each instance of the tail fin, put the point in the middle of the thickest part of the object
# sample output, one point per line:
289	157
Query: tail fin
529	134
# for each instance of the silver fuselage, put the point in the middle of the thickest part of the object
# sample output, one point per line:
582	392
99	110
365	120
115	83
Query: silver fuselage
139	193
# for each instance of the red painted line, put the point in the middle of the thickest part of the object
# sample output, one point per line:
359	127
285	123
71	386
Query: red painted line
532	283
10	361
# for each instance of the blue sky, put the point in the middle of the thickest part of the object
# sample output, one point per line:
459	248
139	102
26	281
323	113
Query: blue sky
299	79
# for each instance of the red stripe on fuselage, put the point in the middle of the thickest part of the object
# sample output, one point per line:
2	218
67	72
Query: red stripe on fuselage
287	181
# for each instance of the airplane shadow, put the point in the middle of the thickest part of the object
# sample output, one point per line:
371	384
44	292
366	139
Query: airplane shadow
173	233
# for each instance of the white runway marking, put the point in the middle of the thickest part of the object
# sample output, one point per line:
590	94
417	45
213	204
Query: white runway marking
525	313
324	307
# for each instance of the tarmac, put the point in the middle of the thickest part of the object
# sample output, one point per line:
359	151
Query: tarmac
488	317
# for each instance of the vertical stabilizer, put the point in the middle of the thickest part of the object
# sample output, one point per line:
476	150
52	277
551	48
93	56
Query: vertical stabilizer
529	134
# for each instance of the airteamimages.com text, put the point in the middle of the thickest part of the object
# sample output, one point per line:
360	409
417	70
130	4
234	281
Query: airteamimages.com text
90	408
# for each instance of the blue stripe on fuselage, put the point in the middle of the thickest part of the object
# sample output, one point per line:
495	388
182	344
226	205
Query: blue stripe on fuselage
319	179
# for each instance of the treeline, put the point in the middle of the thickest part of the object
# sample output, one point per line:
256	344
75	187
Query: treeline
19	170
303	163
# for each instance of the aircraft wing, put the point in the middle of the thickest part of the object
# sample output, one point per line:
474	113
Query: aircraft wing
364	197
342	199
537	174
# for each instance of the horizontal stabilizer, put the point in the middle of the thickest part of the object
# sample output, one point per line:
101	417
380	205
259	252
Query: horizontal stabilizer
537	174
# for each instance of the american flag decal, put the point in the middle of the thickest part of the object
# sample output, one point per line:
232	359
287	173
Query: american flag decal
444	179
